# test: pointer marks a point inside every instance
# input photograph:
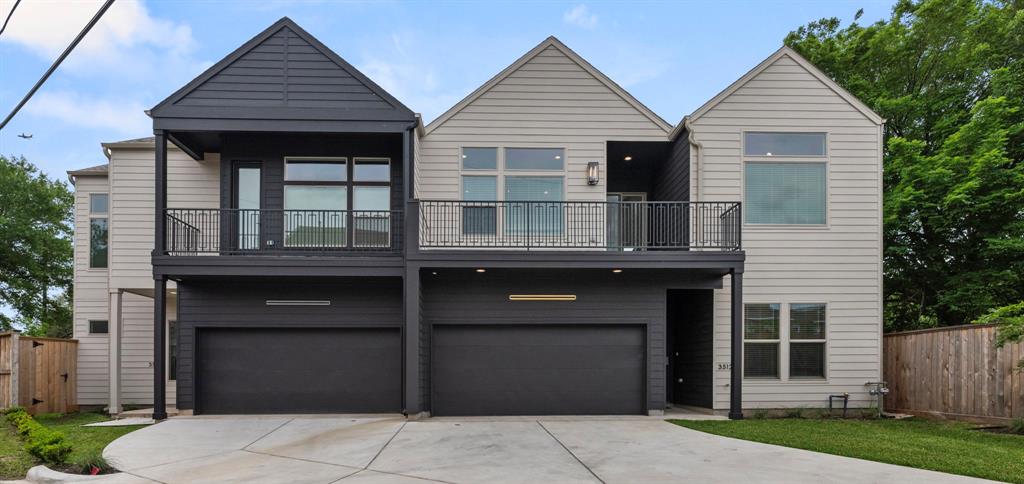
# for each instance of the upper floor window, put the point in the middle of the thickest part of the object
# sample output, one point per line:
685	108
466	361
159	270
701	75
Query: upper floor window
479	158
784	193
539	159
318	193
784	144
98	230
513	174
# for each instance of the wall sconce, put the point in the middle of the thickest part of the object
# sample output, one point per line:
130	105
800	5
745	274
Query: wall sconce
593	173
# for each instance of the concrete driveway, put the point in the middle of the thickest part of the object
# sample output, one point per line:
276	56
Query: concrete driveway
360	450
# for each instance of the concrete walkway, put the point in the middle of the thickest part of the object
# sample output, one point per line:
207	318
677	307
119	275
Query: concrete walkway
360	450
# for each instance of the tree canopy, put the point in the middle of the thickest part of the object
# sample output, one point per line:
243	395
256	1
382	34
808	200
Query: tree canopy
35	250
948	76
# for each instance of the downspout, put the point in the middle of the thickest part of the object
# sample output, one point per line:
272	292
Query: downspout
696	163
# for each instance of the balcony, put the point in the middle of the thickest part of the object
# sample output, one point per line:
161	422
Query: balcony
584	225
197	232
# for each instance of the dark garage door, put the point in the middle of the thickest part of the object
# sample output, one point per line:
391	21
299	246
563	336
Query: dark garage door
299	370
537	369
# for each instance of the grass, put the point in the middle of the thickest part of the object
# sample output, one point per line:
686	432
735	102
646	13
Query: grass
950	447
86	442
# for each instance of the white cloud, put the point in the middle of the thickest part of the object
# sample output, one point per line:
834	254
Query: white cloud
580	16
121	116
408	77
127	29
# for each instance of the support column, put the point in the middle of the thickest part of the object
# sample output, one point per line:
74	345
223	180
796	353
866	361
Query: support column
411	336
736	347
160	191
114	351
159	348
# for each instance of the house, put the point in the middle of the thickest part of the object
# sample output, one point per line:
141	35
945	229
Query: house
293	239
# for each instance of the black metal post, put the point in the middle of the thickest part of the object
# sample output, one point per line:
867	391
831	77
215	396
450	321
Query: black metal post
736	348
160	191
411	333
159	348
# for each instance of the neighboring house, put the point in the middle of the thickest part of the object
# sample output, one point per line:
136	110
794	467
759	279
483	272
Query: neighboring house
548	245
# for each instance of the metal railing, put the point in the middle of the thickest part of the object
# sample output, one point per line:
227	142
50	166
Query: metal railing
204	231
625	226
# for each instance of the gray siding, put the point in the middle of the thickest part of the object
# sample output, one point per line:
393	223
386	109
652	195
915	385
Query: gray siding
91	302
364	302
466	297
673	180
284	71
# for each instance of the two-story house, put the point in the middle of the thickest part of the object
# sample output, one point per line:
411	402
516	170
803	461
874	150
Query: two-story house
293	239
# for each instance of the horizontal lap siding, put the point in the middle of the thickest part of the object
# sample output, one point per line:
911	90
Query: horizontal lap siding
91	302
190	184
363	302
137	349
839	265
550	101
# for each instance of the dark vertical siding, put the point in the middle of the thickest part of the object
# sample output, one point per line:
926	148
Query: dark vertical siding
633	297
232	304
672	183
691	322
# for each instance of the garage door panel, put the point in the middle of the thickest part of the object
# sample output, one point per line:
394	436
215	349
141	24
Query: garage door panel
295	370
538	369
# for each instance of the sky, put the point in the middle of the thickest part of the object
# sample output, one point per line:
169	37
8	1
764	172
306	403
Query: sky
672	56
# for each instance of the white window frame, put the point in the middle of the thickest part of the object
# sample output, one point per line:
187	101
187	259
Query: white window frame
826	160
96	216
785	340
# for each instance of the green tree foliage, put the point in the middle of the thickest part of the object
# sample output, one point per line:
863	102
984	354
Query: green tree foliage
35	249
1011	326
948	75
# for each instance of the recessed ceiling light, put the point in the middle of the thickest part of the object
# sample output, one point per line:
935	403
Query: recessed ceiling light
628	158
768	153
616	270
434	273
481	270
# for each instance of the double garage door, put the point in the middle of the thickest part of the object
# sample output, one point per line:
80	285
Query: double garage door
474	370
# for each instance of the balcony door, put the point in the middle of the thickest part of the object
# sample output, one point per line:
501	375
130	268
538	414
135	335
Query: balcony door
627	220
247	200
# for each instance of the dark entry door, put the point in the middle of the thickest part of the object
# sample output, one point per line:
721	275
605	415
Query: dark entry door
538	369
277	370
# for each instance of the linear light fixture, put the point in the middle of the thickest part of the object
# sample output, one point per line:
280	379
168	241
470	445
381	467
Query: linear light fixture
541	297
291	302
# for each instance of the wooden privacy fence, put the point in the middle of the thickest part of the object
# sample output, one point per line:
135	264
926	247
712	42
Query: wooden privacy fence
955	372
39	374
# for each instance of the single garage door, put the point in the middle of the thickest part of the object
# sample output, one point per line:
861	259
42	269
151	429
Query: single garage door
299	370
537	369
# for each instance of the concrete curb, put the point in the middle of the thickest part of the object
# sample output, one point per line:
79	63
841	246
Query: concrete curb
43	474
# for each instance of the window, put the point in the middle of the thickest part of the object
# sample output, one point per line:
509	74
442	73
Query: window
318	194
98	230
172	350
479	218
534	159
98	327
807	340
534	218
479	158
761	341
784	144
784	193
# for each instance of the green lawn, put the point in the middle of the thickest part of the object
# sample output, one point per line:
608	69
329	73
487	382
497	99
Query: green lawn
940	446
85	441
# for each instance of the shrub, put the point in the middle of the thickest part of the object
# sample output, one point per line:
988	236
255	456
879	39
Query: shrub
1016	426
93	459
795	413
48	445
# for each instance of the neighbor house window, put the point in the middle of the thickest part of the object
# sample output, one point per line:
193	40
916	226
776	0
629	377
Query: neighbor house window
785	178
98	327
172	350
98	230
807	340
761	340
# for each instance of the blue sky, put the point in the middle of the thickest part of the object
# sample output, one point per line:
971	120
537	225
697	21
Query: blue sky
672	56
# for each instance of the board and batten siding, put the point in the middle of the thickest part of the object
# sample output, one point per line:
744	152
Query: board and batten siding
839	264
91	301
549	101
190	184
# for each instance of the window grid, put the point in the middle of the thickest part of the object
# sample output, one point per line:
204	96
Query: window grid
817	220
808	332
761	341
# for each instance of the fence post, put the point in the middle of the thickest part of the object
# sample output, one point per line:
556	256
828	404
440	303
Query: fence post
15	370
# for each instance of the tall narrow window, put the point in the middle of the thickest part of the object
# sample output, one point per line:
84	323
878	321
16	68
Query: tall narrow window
479	218
761	341
807	340
172	350
371	202
247	201
98	230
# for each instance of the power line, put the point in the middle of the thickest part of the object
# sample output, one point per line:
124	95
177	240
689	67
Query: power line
9	14
56	63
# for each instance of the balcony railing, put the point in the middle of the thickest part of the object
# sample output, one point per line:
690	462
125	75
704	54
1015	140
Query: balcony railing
201	231
623	226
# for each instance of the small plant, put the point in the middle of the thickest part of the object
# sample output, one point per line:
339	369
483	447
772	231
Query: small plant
93	463
1016	426
795	413
759	415
48	445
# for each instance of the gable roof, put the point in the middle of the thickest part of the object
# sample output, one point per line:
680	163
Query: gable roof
281	74
98	170
580	61
783	51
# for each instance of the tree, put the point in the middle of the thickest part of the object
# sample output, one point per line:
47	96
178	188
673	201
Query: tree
948	75
35	249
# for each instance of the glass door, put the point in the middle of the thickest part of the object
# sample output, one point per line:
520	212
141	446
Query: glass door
247	202
627	221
